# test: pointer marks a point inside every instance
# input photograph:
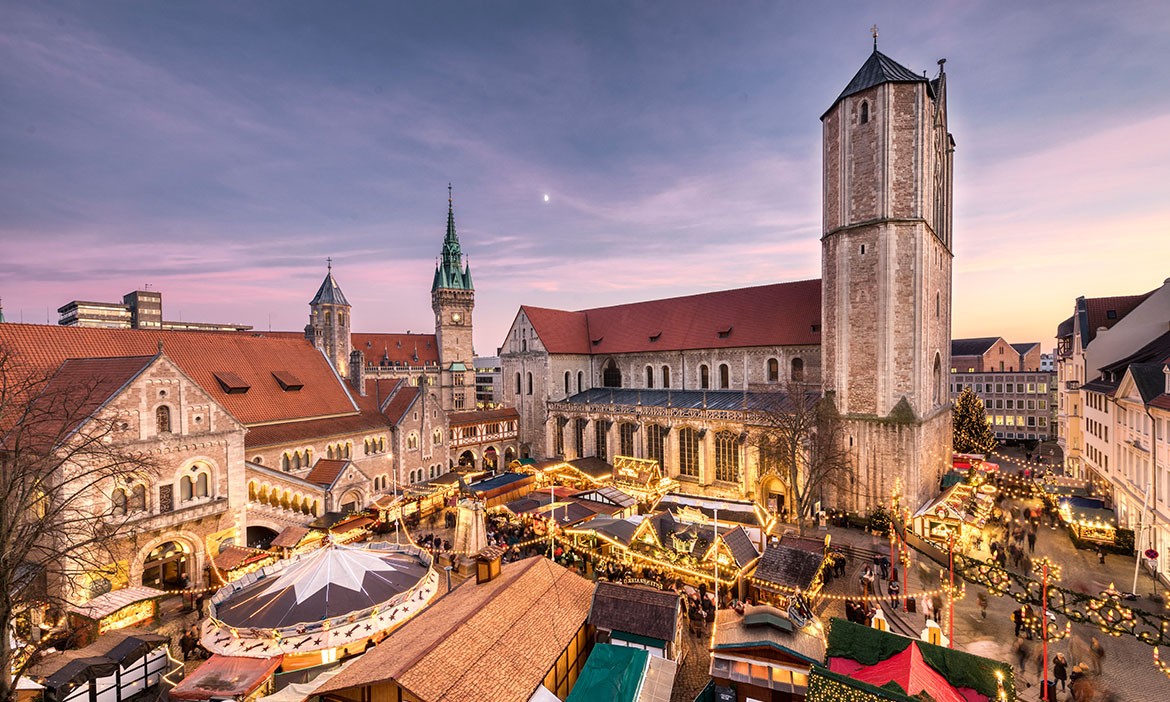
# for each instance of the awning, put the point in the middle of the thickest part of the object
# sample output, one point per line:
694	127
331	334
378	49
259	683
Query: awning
352	524
103	606
226	676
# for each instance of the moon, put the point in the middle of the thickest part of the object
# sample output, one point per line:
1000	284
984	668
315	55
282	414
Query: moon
546	197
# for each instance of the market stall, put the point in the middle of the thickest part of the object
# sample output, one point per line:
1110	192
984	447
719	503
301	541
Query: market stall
112	611
1088	519
228	678
117	666
960	511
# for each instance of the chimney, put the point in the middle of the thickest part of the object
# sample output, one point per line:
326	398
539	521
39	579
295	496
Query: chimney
357	371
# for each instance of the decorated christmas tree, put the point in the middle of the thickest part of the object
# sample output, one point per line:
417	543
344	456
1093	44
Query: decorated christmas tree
972	432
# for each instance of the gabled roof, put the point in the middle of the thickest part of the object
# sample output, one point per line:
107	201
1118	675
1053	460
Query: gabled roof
878	69
1025	347
291	432
1149	380
492	641
593	467
399	403
749	630
397	349
766	315
743	551
636	610
617	530
326	471
329	293
1098	312
972	347
788	566
201	355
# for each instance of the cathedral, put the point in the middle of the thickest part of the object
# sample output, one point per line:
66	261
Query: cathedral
677	380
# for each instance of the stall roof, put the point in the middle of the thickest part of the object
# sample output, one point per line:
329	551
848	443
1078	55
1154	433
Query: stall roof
611	674
762	625
788	566
290	537
231	556
619	530
636	610
737	511
104	605
499	481
226	676
64	668
593	467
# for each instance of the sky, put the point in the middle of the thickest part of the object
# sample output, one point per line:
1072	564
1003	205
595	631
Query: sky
219	152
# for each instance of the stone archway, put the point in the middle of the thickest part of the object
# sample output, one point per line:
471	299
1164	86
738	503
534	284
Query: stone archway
491	458
509	455
467	459
260	536
773	495
159	562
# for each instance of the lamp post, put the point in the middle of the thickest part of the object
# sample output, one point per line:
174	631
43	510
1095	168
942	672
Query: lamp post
951	592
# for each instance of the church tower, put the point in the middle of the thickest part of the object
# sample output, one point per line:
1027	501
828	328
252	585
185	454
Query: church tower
328	327
453	300
886	269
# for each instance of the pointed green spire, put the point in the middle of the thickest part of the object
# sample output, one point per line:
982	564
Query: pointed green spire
450	274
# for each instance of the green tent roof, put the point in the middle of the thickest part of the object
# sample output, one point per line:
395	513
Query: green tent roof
612	674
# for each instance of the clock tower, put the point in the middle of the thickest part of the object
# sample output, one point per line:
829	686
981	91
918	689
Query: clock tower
453	300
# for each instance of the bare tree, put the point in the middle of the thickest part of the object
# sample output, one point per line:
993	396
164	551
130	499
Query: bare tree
800	437
62	453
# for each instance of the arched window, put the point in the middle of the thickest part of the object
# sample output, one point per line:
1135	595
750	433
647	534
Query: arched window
529	383
162	418
252	491
202	487
381	444
517	383
656	444
366	447
348	449
412	441
285	463
688	452
137	498
437	437
328	317
937	380
666	376
341	318
611	376
704	377
773	370
296	462
580	381
726	457
118	500
724	376
626	439
186	488
864	111
649	376
328	452
568	390
798	370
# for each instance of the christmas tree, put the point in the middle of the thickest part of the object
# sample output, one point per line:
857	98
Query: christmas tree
972	432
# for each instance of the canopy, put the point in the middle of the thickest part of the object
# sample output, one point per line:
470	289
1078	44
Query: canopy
226	676
612	674
104	605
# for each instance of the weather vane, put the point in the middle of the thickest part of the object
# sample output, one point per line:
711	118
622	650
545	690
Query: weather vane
329	263
873	30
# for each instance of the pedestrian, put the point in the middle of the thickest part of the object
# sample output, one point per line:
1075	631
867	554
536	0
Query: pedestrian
1098	653
1021	653
894	589
1028	620
1060	670
927	608
1032	541
1018	620
1100	555
981	598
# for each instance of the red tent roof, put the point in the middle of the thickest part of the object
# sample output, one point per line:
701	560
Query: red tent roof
910	671
226	676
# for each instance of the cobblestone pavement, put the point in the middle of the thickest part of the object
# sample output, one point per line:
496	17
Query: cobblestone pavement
1127	671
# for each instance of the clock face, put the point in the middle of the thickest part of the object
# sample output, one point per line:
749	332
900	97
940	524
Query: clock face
457	318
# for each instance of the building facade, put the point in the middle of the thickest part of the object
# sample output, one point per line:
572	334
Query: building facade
676	380
1019	397
140	309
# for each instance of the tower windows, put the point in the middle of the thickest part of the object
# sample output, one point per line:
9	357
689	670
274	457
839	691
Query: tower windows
529	383
704	377
724	376
864	112
650	376
863	249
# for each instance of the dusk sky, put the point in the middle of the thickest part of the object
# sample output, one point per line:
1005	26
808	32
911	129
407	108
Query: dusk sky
220	151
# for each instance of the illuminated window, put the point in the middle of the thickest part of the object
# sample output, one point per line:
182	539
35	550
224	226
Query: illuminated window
688	452
726	457
656	444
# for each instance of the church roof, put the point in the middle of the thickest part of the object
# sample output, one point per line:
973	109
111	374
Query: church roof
450	273
972	347
878	69
330	292
397	349
766	315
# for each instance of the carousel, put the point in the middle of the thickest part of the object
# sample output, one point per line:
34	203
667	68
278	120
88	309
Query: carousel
322	606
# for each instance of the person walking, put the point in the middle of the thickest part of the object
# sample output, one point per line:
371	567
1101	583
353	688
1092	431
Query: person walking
893	590
1101	555
1060	670
981	598
1032	540
1018	620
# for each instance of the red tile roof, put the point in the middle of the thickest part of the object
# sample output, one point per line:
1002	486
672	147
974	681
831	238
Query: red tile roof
400	349
275	434
767	315
458	419
493	641
326	471
77	390
399	402
1098	309
253	358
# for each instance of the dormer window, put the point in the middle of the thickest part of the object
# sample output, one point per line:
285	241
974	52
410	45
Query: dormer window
655	336
231	383
724	333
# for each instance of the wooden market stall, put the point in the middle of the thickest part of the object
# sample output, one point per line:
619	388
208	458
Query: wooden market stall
961	511
1089	519
114	610
120	665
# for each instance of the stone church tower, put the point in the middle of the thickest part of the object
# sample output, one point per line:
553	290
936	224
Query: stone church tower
886	268
328	327
453	300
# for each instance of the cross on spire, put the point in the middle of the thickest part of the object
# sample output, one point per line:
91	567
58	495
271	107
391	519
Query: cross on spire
329	263
449	201
874	31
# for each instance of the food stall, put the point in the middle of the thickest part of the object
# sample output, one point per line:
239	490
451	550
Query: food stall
117	666
961	510
228	678
114	610
1089	519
